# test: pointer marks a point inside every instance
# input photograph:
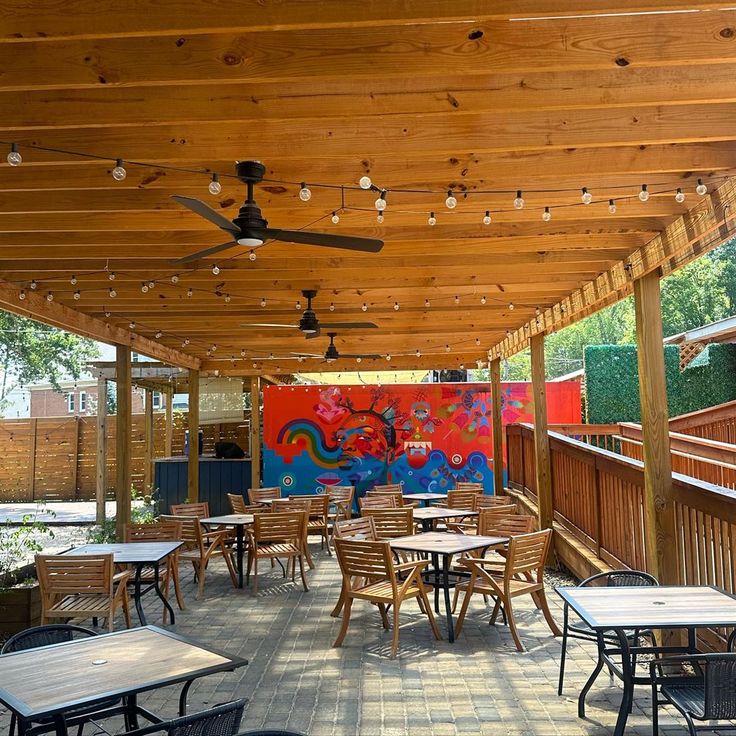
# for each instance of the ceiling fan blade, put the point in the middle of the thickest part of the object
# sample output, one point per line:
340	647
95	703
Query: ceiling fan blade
309	355
285	327
207	252
204	210
348	325
362	355
347	242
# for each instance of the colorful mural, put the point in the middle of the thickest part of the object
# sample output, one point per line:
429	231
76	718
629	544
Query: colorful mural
425	436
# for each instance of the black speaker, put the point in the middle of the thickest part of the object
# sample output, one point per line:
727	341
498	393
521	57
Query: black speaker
229	451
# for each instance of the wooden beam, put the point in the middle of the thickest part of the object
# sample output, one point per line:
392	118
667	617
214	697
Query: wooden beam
193	426
659	514
541	435
497	409
255	431
101	464
33	440
123	440
148	450
37	307
169	423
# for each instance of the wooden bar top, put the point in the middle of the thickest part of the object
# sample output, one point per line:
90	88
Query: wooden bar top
40	682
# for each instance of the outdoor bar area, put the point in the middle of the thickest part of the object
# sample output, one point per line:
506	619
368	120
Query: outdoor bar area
330	474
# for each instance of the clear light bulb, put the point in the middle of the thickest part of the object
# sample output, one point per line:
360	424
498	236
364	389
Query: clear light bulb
119	173
186	341
586	196
305	193
537	311
227	298
701	189
335	218
263	302
144	288
477	341
644	193
388	357
14	158
298	306
364	308
175	279
519	201
357	360
451	201
252	256
511	306
242	353
380	203
158	334
111	276
213	348
215	187
50	296
365	182
190	293
487	218
396	306
77	296
131	325
546	215
379	218
611	207
431	220
73	280
447	348
679	196
34	284
332	306
418	354
112	293
457	300
151	284
483	300
22	294
426	303
215	269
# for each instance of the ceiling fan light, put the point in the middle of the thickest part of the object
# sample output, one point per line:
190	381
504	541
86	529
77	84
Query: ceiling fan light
250	242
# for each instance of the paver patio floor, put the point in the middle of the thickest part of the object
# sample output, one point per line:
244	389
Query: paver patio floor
296	680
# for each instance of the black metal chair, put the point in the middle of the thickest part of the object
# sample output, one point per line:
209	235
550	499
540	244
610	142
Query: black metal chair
579	630
708	694
42	636
221	720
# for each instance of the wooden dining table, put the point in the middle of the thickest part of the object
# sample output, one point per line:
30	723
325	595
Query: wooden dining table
239	522
47	684
425	498
429	514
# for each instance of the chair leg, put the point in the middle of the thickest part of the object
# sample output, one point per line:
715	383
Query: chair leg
395	641
512	624
384	616
301	571
338	606
255	575
455	598
126	607
200	578
228	555
291	562
424	604
345	622
553	627
464	608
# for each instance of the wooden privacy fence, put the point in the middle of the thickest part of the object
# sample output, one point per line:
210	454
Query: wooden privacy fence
598	497
55	459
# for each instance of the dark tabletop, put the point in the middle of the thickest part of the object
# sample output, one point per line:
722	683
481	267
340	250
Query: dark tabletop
425	496
129	553
231	519
444	543
438	512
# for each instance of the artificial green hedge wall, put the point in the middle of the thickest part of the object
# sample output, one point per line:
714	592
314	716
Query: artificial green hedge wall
612	381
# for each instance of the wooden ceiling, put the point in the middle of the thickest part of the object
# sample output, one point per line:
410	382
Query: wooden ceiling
423	94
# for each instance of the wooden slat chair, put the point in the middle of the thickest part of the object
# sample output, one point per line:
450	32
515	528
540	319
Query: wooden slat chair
199	510
461	499
472	524
296	504
258	495
200	554
486	501
397	494
359	528
469	486
390	487
377	501
160	531
318	518
391	523
239	506
277	536
81	587
370	573
523	574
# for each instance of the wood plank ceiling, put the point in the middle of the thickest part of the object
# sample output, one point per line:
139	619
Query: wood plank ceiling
423	95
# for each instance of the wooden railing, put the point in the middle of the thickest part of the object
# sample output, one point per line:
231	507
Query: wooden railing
714	423
598	497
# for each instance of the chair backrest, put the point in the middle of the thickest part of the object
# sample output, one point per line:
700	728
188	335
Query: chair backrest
719	674
504	525
280	527
319	505
201	509
42	636
365	559
341	494
190	530
620	579
60	575
461	500
221	720
486	516
468	486
362	527
378	501
285	505
237	503
527	553
486	501
392	523
256	495
396	495
159	531
391	487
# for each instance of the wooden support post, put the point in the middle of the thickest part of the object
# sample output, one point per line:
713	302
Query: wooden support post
659	520
255	431
148	449
497	409
193	426
123	439
32	460
75	458
101	486
169	424
541	435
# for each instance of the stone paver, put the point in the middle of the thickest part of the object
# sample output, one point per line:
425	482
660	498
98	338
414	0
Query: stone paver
296	680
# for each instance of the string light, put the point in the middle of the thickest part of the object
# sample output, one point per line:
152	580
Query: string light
537	311
252	256
335	218
14	158
213	348
451	201
111	276
447	348
144	288
431	220
477	341
175	279
611	207
298	305
679	196
305	193
131	324
332	306
483	300
215	269
396	306
546	215
364	308
388	357
190	293
418	354
457	300
151	284
112	293
365	182
119	173
701	189
186	341
358	359
644	193
511	306
426	303
519	201
487	218
227	298
73	280
158	334
379	218
586	196
77	295
380	203
215	187
242	352
107	314
263	302
34	284
22	294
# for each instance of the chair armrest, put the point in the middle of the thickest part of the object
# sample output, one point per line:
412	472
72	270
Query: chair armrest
121	578
410	565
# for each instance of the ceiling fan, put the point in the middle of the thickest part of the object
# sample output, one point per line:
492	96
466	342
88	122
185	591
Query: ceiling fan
310	325
250	229
332	354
